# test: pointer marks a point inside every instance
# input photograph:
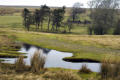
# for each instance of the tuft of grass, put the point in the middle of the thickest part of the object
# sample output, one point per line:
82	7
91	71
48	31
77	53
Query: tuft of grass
85	70
61	75
20	64
110	71
37	62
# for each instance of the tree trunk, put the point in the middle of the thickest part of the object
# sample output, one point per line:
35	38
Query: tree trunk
49	24
52	29
41	25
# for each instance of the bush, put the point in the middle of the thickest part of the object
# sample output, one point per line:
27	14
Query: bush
85	70
37	62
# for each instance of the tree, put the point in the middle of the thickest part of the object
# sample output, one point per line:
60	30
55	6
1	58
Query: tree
37	18
44	13
70	25
103	15
76	10
49	19
26	18
57	18
117	29
40	15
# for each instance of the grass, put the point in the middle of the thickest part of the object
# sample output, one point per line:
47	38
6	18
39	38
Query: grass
61	75
110	71
8	47
7	55
20	64
84	69
19	71
8	72
37	62
67	43
94	76
11	21
48	75
82	46
15	22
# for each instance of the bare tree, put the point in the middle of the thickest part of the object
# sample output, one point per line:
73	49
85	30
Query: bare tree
76	10
103	15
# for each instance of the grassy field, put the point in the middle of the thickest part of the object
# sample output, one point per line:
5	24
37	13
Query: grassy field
82	46
11	21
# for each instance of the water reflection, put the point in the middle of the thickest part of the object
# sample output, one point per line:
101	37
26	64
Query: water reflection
53	58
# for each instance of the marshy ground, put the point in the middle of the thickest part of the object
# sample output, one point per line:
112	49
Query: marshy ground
83	46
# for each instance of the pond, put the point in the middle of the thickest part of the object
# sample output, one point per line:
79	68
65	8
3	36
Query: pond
54	59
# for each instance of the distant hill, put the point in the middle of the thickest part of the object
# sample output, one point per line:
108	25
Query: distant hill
21	6
6	6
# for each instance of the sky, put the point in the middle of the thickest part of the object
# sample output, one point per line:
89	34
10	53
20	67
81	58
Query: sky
54	3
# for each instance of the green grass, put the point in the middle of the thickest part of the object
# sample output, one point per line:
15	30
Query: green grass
15	21
11	52
90	76
11	21
8	47
7	55
82	46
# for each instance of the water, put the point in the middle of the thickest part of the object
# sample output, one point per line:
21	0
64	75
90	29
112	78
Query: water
54	59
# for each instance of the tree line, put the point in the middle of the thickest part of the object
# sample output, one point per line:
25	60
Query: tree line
53	18
104	18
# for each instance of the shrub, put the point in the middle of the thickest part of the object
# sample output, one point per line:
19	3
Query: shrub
20	64
37	62
85	70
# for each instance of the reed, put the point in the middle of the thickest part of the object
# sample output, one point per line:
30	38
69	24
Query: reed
20	64
109	70
37	62
85	70
61	75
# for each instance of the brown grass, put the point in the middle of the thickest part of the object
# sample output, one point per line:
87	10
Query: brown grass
61	75
5	41
110	71
20	64
106	40
85	70
37	62
23	76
